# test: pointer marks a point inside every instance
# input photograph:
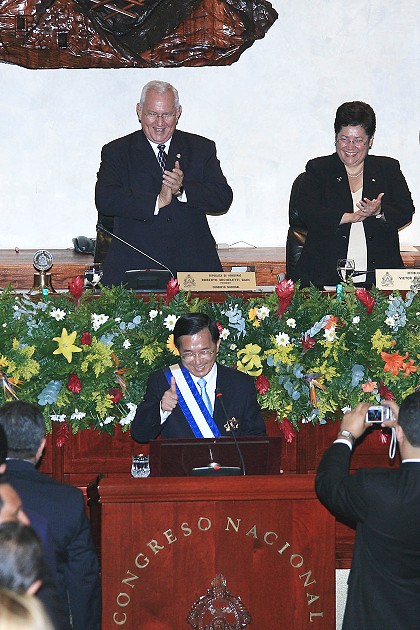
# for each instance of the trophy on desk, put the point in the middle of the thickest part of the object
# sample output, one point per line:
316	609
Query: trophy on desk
42	261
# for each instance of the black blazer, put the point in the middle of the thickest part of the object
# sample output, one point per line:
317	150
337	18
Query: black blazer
77	563
384	582
129	181
322	198
239	397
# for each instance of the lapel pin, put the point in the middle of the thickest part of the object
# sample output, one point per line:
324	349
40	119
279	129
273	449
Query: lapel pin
339	179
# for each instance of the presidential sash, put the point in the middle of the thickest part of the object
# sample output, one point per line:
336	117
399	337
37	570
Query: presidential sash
191	403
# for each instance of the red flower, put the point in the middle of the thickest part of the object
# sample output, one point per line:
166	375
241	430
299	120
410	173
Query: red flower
76	287
307	342
172	288
116	395
86	339
262	384
219	327
74	384
287	430
62	435
385	393
366	299
285	290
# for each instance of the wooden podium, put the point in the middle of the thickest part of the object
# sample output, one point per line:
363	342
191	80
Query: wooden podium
164	540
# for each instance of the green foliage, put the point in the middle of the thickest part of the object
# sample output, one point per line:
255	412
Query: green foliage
321	355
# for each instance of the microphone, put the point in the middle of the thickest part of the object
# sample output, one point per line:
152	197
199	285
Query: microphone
101	228
219	397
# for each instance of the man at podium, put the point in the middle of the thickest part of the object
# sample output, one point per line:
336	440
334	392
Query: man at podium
197	397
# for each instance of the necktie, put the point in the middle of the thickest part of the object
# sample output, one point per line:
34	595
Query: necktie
161	156
204	395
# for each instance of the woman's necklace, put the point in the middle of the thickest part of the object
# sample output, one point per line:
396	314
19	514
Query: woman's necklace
354	176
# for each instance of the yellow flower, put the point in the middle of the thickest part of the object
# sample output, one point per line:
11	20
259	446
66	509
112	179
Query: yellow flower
171	346
150	352
65	345
250	362
252	314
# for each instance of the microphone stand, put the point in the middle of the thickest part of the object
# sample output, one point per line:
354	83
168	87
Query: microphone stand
101	228
219	396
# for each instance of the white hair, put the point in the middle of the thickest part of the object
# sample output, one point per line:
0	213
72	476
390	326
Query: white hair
160	87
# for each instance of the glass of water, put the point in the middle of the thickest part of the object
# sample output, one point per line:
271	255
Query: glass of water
345	269
140	466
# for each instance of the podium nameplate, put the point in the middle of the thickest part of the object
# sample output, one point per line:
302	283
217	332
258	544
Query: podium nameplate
401	279
216	281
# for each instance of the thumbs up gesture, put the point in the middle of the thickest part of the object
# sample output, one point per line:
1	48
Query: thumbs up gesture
170	397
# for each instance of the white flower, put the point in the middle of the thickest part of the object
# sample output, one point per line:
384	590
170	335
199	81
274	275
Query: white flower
282	339
109	419
77	415
330	334
58	314
233	346
4	325
263	312
129	417
170	321
118	319
126	344
356	319
346	409
153	313
98	320
57	418
390	321
291	322
225	334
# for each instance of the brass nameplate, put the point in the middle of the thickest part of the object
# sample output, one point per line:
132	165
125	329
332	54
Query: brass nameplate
216	281
401	279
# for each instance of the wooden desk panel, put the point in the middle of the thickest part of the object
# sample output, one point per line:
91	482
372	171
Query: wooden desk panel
272	542
17	269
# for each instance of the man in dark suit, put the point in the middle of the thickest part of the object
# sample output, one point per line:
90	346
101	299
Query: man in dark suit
178	404
158	184
62	506
384	581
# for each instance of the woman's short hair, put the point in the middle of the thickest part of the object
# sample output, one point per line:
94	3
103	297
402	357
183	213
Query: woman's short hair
355	113
193	323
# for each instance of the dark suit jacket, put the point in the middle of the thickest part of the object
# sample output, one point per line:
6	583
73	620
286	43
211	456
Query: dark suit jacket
77	562
239	397
322	198
384	582
129	181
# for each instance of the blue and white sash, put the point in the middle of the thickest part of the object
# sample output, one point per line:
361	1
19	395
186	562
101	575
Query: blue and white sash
191	403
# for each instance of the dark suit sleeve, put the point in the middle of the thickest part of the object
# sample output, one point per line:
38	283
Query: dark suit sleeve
341	492
82	570
397	204
205	185
146	424
252	422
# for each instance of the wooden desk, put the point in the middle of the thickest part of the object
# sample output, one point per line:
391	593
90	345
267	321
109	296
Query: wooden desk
165	539
17	269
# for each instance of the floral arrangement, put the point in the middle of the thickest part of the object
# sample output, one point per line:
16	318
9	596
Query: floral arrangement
85	360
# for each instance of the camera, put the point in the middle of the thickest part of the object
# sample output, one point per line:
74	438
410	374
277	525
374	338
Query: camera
379	413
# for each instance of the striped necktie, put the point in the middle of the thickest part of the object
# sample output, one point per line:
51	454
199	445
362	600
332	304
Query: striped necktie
204	395
161	156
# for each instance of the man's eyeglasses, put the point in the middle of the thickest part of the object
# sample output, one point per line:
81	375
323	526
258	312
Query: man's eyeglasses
202	354
357	142
155	116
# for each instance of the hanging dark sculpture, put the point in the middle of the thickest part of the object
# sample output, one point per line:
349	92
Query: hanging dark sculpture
130	33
